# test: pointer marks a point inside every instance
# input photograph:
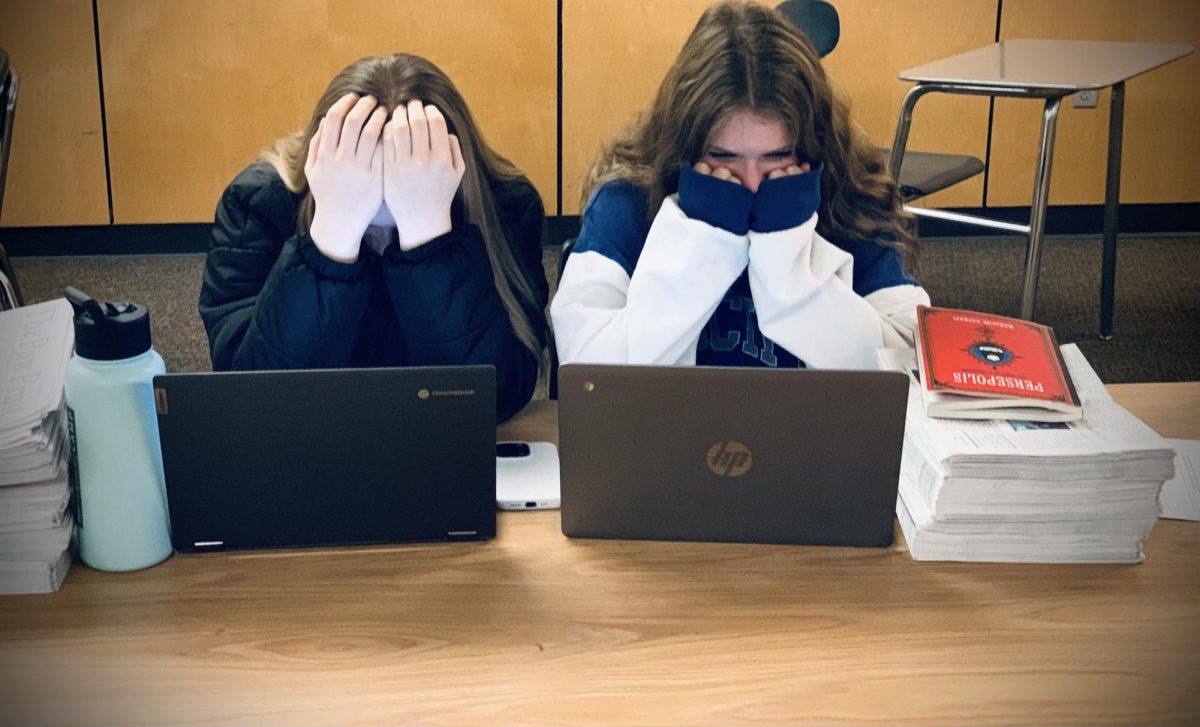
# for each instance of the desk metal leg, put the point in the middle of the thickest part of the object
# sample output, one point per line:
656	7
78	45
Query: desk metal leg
902	125
1112	208
1037	217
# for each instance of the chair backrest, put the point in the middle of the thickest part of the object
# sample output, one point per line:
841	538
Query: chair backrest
817	19
562	264
10	292
921	173
8	99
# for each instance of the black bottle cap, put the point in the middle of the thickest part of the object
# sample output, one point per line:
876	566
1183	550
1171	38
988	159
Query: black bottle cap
108	331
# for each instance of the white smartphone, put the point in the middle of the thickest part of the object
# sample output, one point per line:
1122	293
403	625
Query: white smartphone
526	476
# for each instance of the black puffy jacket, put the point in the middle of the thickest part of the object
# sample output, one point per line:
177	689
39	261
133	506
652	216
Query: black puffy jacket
271	300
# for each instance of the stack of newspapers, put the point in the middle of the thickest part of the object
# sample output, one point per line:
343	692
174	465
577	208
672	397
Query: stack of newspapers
1045	492
36	523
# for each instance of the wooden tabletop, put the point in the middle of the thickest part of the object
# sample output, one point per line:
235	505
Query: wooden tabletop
533	628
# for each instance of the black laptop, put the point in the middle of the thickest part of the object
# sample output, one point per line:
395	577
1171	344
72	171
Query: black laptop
328	457
730	454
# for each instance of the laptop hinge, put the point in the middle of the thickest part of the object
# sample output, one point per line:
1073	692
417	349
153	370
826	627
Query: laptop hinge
209	545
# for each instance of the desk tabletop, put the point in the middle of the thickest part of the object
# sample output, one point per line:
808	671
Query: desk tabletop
534	628
1068	65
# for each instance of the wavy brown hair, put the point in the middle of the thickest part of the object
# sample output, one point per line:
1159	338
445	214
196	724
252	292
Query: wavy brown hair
394	80
747	56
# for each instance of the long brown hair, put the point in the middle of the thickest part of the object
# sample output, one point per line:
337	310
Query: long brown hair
394	80
747	56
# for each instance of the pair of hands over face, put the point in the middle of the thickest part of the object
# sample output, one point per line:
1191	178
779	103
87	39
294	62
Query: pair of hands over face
358	161
731	175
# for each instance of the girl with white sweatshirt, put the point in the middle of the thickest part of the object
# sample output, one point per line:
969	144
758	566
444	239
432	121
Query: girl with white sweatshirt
743	220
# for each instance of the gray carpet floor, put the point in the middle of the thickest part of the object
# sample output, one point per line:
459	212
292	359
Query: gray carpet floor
1157	312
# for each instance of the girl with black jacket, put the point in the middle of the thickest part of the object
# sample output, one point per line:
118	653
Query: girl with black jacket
384	233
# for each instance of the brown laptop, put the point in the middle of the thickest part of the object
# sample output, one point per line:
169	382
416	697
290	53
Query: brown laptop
730	454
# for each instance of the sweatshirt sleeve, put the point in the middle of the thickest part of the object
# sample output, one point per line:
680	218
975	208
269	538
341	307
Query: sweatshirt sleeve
809	296
628	295
449	311
269	298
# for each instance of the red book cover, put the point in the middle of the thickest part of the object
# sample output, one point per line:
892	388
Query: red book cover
967	352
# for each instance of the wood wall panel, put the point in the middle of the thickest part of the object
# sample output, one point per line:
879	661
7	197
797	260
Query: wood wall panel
195	88
879	40
615	54
56	170
614	57
1162	109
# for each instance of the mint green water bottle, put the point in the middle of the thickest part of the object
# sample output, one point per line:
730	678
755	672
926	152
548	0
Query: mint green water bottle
123	521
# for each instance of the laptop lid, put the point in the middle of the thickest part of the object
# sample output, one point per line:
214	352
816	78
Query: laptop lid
730	454
328	457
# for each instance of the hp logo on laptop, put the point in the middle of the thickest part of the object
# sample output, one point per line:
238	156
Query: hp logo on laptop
729	459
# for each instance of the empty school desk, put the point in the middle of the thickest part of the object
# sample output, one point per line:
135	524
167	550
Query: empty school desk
1050	70
534	628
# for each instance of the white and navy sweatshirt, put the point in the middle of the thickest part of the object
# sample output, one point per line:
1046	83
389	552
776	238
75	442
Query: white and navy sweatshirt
727	277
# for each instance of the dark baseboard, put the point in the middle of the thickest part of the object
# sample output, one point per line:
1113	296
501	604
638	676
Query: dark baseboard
1136	219
559	229
1084	219
107	239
